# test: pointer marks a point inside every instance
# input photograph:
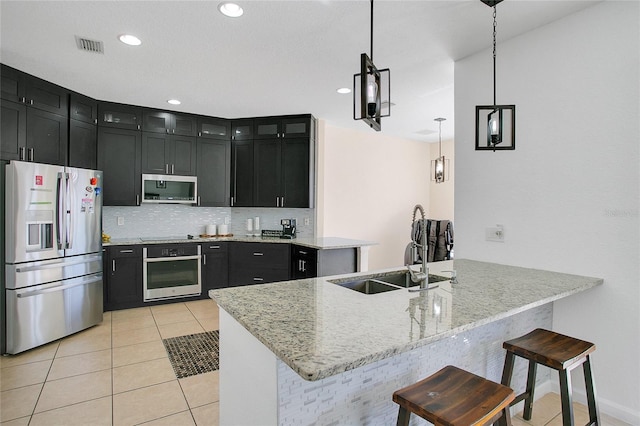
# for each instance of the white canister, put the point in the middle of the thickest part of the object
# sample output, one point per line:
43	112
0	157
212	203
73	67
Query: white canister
223	229
249	224
211	230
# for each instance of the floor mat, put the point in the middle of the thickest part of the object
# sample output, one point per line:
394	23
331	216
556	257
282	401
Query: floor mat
193	354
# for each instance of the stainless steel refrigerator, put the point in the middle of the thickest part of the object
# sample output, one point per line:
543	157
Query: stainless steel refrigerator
53	253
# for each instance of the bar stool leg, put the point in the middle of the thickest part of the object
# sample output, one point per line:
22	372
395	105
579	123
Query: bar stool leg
565	396
507	371
594	413
403	417
531	383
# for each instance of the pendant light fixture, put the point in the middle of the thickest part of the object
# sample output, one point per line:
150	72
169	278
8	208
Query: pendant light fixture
368	89
440	166
495	124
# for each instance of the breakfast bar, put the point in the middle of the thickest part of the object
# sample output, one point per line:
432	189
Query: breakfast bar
315	351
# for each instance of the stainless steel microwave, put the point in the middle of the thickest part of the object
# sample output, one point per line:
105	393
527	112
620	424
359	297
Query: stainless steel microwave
169	189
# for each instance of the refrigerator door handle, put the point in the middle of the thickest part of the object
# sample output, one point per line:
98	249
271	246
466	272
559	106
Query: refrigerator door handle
60	210
55	288
60	264
70	216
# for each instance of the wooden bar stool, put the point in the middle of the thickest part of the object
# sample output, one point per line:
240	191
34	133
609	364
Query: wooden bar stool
454	397
562	353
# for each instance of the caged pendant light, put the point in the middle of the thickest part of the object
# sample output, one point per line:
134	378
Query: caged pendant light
369	86
440	166
495	124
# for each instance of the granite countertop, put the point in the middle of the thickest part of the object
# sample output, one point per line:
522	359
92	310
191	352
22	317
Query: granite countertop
320	328
322	243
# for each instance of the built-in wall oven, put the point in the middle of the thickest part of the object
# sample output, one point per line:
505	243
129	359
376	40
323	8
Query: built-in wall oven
171	270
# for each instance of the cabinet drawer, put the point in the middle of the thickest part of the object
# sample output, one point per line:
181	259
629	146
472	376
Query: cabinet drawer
125	251
255	275
265	255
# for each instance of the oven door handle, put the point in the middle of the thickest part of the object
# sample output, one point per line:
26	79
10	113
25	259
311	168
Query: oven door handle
169	259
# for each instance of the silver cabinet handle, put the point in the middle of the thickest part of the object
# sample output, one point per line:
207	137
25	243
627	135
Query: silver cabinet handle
258	279
30	101
126	251
198	200
199	133
302	252
214	247
232	201
21	153
23	100
173	167
281	201
113	265
257	253
304	266
204	259
95	121
166	169
30	154
138	127
137	200
167	130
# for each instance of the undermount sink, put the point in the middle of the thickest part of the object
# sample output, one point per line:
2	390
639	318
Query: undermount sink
386	283
369	286
403	279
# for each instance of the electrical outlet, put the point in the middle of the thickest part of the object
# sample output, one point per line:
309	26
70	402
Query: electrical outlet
307	221
495	234
120	220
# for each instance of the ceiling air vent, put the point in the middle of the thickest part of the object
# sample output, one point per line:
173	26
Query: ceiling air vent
89	45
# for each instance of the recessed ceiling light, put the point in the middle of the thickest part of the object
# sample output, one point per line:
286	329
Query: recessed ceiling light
174	102
232	10
129	39
343	90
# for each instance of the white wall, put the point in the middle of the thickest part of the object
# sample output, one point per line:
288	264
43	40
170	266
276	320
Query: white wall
568	196
368	184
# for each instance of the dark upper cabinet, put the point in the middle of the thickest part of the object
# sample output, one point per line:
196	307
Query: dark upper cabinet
283	173
242	173
83	108
13	84
168	154
119	116
30	134
168	123
214	172
13	130
47	137
21	87
83	144
242	129
119	152
123	277
214	128
267	177
299	126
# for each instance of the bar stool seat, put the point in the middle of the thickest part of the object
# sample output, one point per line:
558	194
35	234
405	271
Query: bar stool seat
454	397
559	352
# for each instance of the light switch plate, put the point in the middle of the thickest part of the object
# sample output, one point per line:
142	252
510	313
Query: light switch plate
120	220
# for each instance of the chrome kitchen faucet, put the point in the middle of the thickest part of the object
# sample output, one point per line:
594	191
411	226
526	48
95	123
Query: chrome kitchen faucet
419	230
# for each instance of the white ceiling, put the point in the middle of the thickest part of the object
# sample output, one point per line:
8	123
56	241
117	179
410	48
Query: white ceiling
281	57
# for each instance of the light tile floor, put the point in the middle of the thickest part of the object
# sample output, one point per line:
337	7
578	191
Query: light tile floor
118	373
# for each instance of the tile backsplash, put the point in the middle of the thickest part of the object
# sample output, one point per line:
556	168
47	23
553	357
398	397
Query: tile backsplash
167	220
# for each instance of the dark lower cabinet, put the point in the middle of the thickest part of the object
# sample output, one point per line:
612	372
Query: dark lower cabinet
119	158
310	263
258	263
123	277
215	266
83	144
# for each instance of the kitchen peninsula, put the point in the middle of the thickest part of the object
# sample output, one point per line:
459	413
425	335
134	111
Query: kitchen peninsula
313	351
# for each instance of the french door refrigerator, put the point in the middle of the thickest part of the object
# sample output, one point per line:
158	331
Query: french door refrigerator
53	253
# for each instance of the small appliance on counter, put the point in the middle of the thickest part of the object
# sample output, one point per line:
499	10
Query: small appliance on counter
288	228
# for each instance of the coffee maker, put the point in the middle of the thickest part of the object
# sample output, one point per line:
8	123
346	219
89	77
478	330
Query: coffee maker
288	228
